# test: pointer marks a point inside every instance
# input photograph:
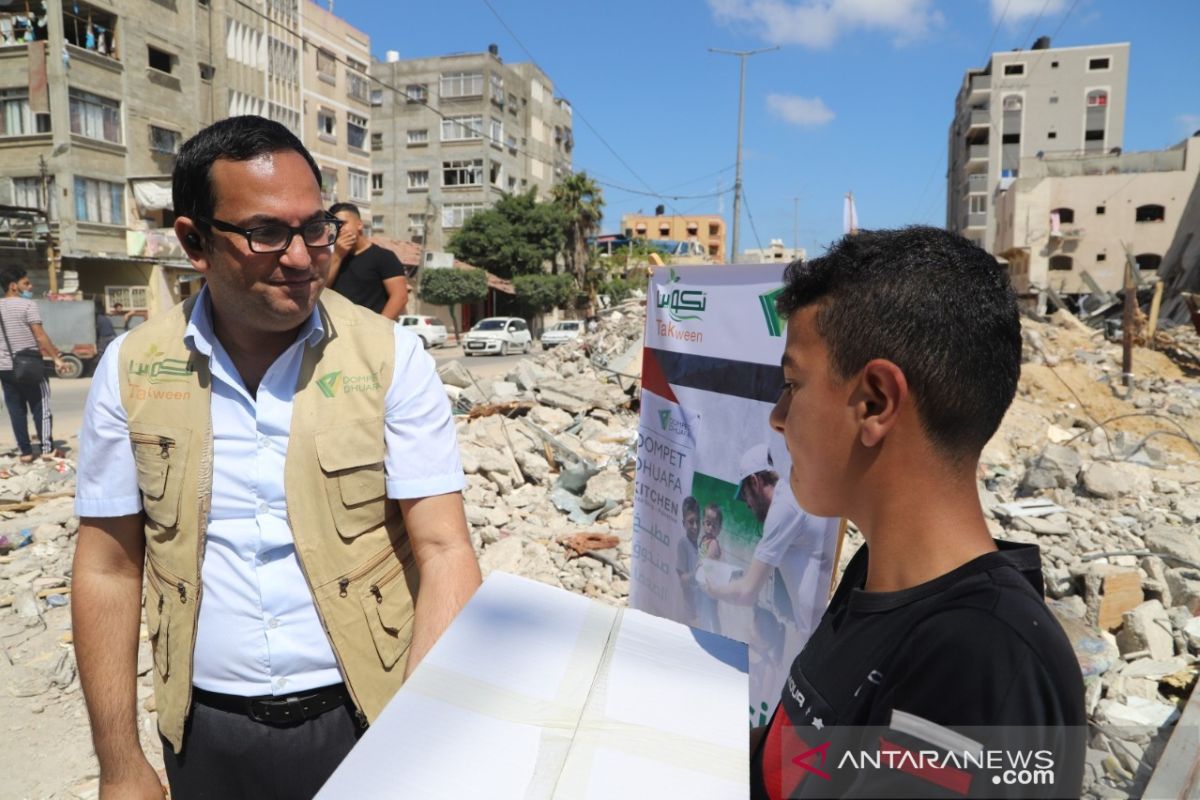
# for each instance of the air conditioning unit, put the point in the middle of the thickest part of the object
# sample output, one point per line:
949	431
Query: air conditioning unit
438	260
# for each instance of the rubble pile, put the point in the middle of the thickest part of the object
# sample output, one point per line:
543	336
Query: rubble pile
1104	478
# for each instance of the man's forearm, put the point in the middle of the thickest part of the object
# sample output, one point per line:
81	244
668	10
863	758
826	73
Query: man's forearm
448	580
105	614
394	307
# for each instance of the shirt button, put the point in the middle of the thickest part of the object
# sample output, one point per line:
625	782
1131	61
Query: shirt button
263	508
263	442
281	682
274	623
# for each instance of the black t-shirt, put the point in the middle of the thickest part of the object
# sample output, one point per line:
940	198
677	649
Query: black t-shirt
885	673
360	279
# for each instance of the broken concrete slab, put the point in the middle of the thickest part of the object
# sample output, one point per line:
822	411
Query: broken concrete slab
1147	627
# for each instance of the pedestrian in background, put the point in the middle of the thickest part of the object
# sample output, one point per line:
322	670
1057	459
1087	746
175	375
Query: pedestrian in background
365	273
22	375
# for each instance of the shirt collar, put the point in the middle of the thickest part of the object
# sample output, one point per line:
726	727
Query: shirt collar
199	335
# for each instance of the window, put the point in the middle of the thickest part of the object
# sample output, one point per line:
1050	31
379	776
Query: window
418	179
15	118
356	81
326	66
497	131
457	129
159	59
356	131
1097	97
99	201
85	26
377	97
416	92
454	215
1052	135
131	298
1061	263
978	204
1054	100
511	184
497	88
358	185
95	117
416	222
461	84
1093	136
462	173
512	104
327	124
27	193
1101	257
1150	213
1014	69
1066	216
714	229
164	140
377	182
664	230
1053	65
328	184
1010	138
206	72
511	143
1098	64
1148	262
1100	211
1012	102
376	141
418	137
283	61
287	117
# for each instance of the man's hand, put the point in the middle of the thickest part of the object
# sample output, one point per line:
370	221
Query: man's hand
344	244
142	783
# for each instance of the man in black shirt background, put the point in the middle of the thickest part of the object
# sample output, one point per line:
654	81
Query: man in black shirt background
365	273
937	670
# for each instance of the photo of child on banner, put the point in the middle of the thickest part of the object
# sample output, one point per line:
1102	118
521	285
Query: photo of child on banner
719	540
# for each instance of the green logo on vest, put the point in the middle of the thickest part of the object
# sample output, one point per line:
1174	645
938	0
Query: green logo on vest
328	383
157	368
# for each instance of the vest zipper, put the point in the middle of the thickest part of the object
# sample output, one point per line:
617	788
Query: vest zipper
165	443
385	579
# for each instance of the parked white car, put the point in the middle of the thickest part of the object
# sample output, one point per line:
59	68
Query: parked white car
561	333
430	329
499	335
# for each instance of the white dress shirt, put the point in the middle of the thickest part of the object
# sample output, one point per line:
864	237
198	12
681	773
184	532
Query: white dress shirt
258	631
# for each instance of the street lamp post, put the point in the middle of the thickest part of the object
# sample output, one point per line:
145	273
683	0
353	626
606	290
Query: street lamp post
737	180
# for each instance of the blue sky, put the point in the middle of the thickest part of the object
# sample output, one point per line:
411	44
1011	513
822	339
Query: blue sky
859	96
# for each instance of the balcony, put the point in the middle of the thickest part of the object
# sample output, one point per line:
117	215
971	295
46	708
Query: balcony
980	118
977	183
981	83
977	220
977	152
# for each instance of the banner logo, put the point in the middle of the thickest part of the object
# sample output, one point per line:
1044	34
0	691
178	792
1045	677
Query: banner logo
775	323
664	417
157	368
678	301
328	383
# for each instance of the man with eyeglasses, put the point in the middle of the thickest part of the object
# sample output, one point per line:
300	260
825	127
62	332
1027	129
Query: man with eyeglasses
362	271
280	467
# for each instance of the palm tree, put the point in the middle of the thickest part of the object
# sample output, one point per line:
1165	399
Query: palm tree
582	201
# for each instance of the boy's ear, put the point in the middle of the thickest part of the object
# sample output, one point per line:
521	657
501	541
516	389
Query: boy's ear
881	393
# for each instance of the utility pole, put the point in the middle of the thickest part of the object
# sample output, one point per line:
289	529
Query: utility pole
737	180
51	248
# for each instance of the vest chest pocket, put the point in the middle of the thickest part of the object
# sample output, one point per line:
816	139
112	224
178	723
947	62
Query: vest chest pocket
351	458
160	455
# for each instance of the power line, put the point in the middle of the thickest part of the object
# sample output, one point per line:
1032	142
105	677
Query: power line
1036	20
661	196
750	217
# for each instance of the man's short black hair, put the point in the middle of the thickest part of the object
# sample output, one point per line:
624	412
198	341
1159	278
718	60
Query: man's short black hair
11	275
934	304
235	139
353	209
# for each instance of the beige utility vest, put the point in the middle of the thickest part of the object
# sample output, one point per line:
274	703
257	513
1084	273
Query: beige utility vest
349	536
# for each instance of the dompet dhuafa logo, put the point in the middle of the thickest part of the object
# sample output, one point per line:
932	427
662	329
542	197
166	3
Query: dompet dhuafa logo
331	381
775	323
681	304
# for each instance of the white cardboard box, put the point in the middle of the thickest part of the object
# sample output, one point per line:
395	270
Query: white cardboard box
536	693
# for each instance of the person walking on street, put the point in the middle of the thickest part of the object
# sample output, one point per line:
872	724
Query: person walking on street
365	273
26	391
280	466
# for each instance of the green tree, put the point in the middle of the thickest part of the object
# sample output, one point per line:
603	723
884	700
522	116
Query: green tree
517	236
582	205
541	293
452	287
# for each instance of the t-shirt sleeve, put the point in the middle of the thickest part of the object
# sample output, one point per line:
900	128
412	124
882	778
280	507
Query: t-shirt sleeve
422	446
388	265
33	314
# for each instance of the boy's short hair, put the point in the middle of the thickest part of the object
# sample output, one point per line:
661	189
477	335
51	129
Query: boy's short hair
10	276
691	505
934	304
338	207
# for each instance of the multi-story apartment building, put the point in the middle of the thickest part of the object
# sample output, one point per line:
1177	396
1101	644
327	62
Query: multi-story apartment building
452	134
96	101
706	229
1066	222
1045	100
337	105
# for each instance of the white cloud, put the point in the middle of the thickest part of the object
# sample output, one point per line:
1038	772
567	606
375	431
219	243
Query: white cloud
818	23
1014	11
803	112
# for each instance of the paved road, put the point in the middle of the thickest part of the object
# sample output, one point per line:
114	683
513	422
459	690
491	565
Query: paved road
67	398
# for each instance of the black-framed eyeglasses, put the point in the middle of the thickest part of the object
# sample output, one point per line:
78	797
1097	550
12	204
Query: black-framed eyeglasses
276	237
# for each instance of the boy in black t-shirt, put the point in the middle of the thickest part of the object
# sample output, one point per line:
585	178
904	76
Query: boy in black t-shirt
365	273
937	670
